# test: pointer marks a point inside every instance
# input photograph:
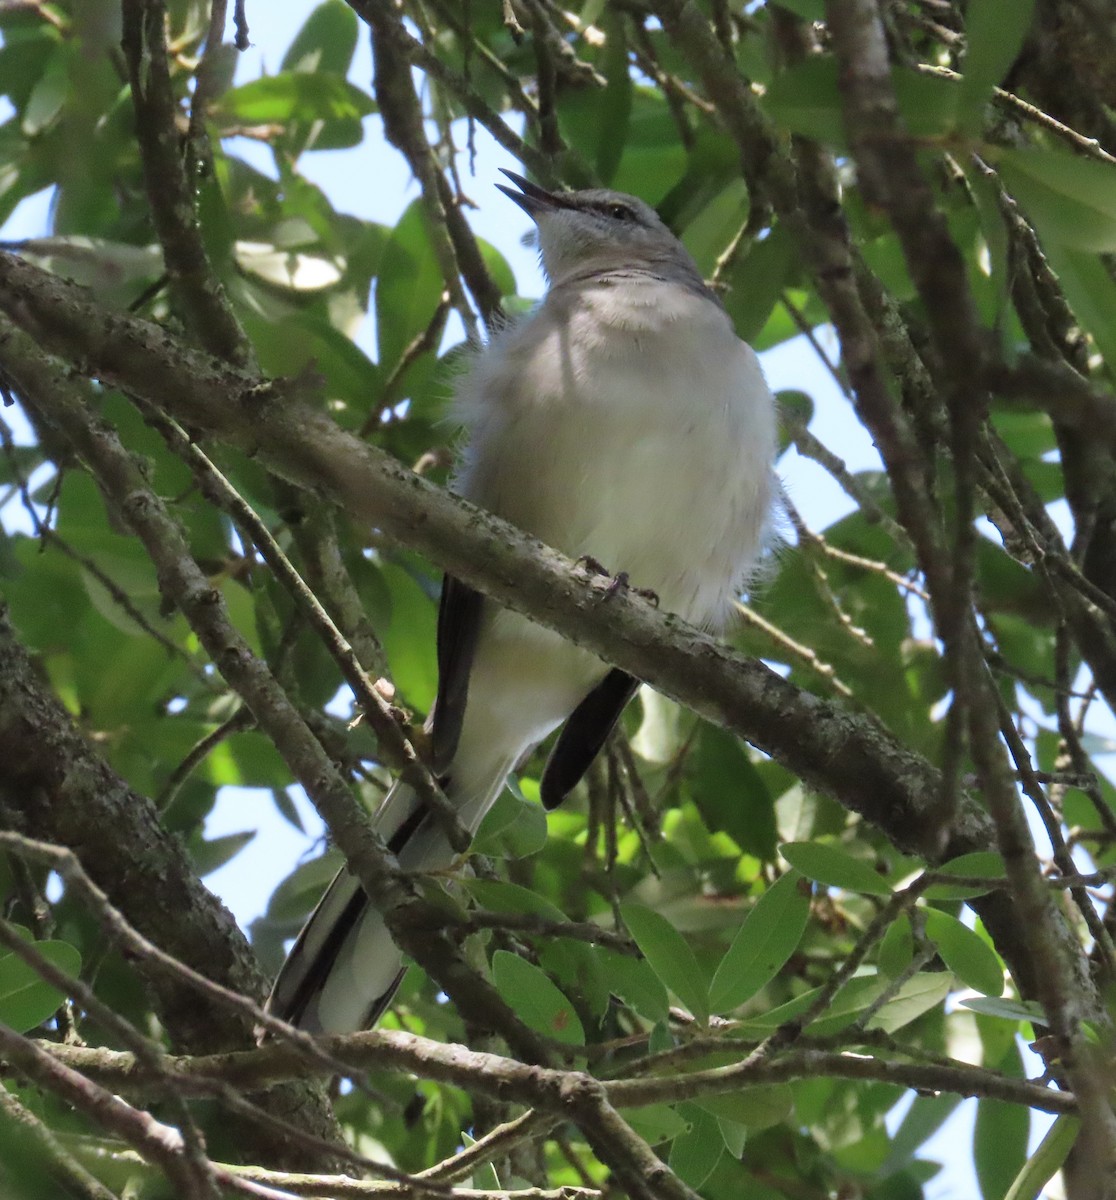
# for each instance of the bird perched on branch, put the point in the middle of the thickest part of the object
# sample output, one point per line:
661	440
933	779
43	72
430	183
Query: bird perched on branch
624	421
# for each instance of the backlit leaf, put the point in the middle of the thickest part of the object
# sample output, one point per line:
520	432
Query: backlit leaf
295	95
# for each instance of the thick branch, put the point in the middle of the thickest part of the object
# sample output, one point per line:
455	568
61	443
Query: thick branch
66	793
891	177
504	1078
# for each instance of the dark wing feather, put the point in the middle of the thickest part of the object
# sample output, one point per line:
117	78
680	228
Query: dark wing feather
584	734
459	615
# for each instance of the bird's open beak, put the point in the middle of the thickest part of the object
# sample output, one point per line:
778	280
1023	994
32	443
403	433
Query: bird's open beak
530	197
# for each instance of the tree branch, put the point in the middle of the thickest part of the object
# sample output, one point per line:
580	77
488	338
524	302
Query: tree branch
546	1090
197	291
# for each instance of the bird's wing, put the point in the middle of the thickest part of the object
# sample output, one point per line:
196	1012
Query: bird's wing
584	734
459	616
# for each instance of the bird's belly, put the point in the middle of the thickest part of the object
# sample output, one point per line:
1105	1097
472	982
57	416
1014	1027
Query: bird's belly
663	474
650	454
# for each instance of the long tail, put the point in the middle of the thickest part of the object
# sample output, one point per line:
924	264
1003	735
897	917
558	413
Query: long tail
344	968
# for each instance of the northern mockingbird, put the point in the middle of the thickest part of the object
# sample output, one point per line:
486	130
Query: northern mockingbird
624	421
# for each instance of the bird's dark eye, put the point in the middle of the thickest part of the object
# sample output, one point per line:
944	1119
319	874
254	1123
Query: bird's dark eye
621	212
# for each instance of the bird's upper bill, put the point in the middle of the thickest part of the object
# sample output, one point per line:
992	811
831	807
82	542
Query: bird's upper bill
597	230
530	197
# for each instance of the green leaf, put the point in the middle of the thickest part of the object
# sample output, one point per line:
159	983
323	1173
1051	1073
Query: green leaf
896	947
614	105
921	1121
25	999
295	96
767	938
637	985
849	1002
527	833
497	266
484	1177
981	864
1029	435
795	407
834	868
48	97
970	958
661	1039
1071	200
806	100
653	157
507	811
501	897
503	813
655	1123
409	636
1008	1010
917	996
715	224
576	967
734	1136
993	229
326	41
756	1107
285	806
1000	1137
207	856
24	56
927	103
994	34
409	286
1048	1158
730	793
669	956
535	999
296	895
695	1153
1091	292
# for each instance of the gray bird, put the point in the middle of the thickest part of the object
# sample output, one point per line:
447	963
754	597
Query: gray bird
624	421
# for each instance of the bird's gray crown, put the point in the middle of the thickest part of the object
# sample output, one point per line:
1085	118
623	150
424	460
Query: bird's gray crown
598	230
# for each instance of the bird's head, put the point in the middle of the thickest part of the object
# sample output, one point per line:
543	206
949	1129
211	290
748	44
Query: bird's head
598	229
